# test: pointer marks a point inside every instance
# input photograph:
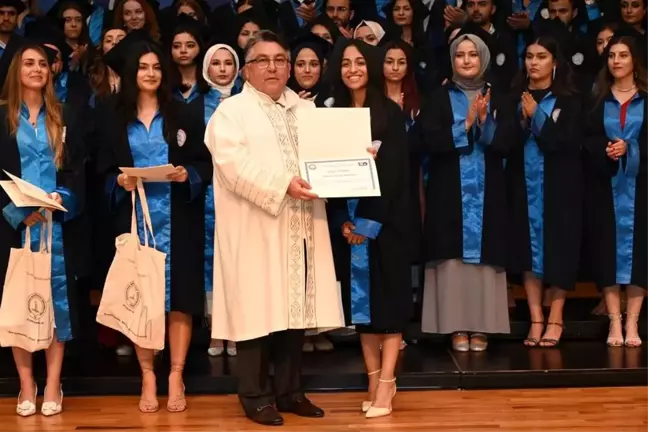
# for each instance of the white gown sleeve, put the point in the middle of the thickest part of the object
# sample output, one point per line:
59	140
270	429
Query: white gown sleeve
238	171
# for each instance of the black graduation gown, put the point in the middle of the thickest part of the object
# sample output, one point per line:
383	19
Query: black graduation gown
187	237
504	61
600	221
390	275
15	43
443	225
71	176
560	143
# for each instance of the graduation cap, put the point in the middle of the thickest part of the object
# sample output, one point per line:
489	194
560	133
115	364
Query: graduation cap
56	11
16	4
256	16
41	31
118	56
320	46
326	22
184	23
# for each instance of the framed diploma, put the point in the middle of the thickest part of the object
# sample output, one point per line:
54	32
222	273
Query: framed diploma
333	155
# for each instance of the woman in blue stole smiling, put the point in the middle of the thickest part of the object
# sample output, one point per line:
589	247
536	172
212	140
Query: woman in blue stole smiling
463	132
545	183
373	265
149	128
36	145
615	195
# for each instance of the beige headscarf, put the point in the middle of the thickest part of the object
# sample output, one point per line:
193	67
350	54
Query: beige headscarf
226	90
376	29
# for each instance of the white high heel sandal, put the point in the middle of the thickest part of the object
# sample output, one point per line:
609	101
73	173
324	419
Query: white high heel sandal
375	412
367	404
27	408
51	408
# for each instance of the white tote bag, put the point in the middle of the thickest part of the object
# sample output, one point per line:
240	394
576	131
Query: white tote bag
26	313
133	298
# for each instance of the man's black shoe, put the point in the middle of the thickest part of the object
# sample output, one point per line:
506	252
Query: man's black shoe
302	407
266	415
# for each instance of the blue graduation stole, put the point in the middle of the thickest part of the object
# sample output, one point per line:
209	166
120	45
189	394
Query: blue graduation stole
472	168
534	180
60	87
624	183
360	277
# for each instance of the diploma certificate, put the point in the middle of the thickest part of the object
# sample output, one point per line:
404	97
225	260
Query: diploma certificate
335	160
342	178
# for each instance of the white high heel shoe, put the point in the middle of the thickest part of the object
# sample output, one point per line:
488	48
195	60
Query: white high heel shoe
367	404
27	408
51	408
375	412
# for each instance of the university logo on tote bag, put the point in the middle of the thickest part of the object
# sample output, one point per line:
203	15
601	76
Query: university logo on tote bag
27	314
133	297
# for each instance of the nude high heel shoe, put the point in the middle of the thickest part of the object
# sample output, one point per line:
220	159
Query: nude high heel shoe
375	412
27	408
51	408
367	404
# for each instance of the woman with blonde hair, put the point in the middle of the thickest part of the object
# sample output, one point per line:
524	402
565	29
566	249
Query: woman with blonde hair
37	145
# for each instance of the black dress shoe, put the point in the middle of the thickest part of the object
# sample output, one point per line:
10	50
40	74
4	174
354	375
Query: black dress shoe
302	407
266	415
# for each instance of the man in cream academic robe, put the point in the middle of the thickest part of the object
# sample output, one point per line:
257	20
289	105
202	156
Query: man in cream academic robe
273	266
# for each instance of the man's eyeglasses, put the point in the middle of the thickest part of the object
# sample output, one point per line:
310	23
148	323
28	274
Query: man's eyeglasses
264	62
339	9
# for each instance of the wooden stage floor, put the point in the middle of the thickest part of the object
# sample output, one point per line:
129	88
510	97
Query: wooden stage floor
569	409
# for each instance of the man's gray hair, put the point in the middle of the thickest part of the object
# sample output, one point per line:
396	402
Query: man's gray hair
265	36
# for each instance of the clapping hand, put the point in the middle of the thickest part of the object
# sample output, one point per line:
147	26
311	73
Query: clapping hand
347	232
529	105
454	15
616	149
481	106
304	94
300	189
519	21
306	11
348	34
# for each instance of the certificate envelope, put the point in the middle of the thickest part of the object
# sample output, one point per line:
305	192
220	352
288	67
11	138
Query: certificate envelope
155	174
25	194
333	155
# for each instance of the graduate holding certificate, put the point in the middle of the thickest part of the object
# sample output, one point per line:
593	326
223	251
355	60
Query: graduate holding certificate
373	266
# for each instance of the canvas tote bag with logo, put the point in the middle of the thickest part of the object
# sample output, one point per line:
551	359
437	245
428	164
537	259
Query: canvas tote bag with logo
133	297
27	314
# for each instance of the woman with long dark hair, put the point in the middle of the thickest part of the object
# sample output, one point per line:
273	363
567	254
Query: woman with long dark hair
615	192
72	18
42	147
103	80
545	182
464	133
307	60
374	228
633	13
148	128
187	50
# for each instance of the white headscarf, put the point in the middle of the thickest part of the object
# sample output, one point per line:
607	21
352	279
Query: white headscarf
225	90
376	29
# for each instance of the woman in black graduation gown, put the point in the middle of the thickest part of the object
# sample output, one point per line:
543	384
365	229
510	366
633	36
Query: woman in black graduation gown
41	146
147	128
545	181
464	133
186	52
615	191
374	267
307	61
